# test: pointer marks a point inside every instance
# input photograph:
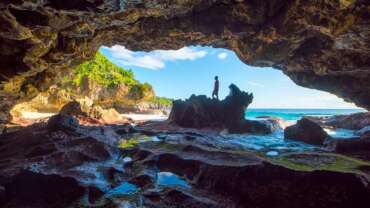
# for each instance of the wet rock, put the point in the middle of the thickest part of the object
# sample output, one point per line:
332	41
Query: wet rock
322	46
357	147
125	129
29	189
306	131
363	131
142	180
113	175
55	145
176	198
202	112
94	194
354	121
62	122
243	179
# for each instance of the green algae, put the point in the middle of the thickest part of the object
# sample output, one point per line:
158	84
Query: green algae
320	161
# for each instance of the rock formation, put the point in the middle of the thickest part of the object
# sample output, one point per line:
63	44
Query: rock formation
200	112
306	131
227	179
318	44
55	164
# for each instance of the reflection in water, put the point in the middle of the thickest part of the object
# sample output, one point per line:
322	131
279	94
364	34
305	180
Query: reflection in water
123	189
171	179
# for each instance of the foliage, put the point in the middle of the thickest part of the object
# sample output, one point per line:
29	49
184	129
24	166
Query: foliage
104	72
138	91
163	101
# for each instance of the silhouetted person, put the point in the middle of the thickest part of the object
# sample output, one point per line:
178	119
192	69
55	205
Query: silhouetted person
215	89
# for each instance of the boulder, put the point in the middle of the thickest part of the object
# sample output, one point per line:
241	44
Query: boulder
354	121
62	122
105	115
357	147
202	112
306	131
72	108
29	189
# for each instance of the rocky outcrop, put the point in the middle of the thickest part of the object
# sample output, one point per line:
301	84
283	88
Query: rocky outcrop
29	189
242	179
60	143
306	131
356	147
354	121
202	112
318	45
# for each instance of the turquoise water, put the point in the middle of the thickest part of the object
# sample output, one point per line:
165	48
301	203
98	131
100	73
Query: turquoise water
296	114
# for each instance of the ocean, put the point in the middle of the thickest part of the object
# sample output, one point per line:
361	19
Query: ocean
296	114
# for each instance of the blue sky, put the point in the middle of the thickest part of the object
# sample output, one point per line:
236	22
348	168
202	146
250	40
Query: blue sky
190	70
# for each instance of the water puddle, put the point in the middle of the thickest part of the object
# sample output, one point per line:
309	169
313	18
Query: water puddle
123	189
271	145
168	179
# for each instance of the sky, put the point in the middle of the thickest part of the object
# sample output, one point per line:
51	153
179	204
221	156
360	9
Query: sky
190	70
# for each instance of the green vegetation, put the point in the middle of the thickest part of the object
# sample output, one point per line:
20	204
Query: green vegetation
161	101
137	91
104	72
131	142
320	161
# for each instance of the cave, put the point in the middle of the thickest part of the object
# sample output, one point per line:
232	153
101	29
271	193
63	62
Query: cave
322	45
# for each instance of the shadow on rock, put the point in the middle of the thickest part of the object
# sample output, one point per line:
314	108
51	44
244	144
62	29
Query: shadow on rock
202	112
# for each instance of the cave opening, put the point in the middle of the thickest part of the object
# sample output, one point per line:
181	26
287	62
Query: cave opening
288	149
140	82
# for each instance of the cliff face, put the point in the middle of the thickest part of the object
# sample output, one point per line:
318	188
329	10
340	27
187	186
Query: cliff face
320	44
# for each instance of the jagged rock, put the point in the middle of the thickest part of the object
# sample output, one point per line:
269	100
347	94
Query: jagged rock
357	147
29	189
306	131
363	131
62	122
318	45
172	197
200	112
242	179
354	121
57	144
94	194
142	180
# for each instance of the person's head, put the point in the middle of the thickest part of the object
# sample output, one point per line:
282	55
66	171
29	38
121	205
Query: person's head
216	77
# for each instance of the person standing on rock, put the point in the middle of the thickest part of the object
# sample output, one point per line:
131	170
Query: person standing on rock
215	89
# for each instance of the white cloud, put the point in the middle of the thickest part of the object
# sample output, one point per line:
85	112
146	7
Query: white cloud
256	84
222	55
154	59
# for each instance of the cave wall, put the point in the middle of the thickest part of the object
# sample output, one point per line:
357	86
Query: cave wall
321	44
